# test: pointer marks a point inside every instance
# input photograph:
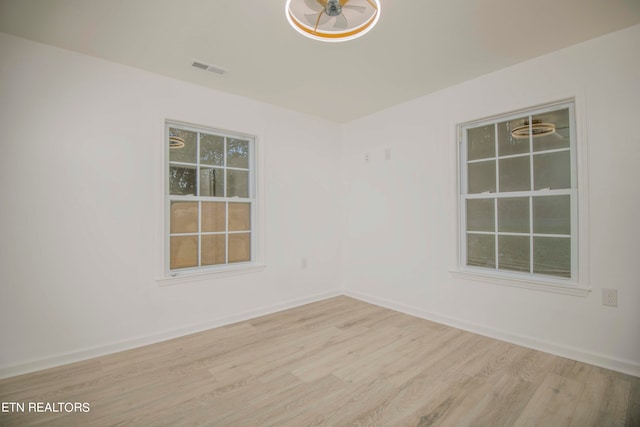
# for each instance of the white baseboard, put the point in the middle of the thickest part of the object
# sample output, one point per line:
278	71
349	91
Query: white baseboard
89	353
604	361
601	360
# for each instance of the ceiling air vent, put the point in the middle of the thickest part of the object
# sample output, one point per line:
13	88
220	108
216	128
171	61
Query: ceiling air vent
208	67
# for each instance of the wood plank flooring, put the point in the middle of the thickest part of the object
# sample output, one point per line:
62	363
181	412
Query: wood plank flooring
338	362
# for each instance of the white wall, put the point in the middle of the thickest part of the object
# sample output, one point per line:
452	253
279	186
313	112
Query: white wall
81	208
400	214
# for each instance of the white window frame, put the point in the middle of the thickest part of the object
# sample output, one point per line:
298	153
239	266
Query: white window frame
219	270
578	283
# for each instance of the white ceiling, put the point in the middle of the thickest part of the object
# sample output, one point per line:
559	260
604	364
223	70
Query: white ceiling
418	46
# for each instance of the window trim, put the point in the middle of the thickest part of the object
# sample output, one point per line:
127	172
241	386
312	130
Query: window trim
578	284
166	276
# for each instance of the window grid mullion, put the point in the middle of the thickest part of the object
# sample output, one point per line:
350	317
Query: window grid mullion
174	163
226	233
199	201
199	233
531	234
495	231
561	236
495	199
183	234
531	188
487	233
226	204
488	159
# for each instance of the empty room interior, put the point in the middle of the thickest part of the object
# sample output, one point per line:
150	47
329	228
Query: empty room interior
320	212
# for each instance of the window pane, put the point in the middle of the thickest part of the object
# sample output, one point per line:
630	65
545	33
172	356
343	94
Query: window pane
481	250
184	217
515	174
239	216
184	251
239	247
507	144
482	177
182	181
213	216
237	183
481	142
552	170
211	149
185	153
558	139
481	215
237	153
213	249
513	253
513	215
552	215
552	256
212	182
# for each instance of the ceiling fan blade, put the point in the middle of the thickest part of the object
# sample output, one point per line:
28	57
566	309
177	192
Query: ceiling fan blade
360	9
341	22
316	19
561	132
314	5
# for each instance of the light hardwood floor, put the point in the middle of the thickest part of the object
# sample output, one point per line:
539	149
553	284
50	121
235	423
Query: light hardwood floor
331	363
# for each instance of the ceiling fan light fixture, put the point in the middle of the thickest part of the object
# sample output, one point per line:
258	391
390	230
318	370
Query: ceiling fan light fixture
176	141
332	20
536	129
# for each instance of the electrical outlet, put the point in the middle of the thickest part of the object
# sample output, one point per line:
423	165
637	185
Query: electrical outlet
610	297
304	264
367	157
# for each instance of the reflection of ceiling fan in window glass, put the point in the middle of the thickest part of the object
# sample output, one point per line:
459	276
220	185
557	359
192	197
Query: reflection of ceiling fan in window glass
333	20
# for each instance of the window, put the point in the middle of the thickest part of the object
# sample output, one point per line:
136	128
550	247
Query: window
211	199
518	196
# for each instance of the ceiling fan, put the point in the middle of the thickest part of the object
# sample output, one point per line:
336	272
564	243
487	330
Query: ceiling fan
333	20
535	128
538	128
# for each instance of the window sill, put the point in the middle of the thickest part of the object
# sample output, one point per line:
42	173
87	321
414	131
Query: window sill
194	276
537	284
